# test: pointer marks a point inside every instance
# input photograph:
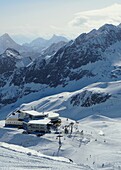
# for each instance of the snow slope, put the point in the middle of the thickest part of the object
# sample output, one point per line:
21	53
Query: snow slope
99	98
12	158
22	151
98	147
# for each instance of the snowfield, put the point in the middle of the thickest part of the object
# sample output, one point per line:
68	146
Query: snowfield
94	144
99	98
11	159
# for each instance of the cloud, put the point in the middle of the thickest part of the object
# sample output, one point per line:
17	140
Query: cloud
87	20
82	22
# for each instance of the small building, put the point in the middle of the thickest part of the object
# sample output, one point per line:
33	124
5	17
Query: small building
42	125
12	120
54	117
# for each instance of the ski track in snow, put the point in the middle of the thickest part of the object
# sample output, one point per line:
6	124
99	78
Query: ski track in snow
11	159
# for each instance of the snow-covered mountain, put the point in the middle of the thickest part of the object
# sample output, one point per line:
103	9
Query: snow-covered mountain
33	50
7	42
56	39
10	61
52	49
41	43
92	57
12	57
36	44
99	98
95	56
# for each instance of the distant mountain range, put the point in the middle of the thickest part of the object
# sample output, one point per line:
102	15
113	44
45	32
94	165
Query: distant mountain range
35	46
90	58
40	43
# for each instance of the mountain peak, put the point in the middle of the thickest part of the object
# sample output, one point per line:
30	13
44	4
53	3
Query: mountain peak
7	42
107	27
57	38
119	25
5	36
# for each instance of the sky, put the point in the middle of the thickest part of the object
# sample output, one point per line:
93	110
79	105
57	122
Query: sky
25	20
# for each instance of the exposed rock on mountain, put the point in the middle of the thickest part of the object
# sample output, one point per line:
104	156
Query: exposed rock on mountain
73	61
99	98
90	58
89	98
52	49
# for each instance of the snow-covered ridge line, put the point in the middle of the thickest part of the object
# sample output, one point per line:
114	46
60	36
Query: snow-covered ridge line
30	152
92	57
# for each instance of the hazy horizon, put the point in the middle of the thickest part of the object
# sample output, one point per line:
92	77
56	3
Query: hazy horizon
27	20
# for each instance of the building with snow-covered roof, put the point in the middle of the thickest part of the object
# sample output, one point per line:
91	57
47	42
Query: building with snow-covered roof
32	120
42	125
18	117
54	117
13	120
32	114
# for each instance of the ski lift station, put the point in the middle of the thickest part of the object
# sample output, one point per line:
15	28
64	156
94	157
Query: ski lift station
32	121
